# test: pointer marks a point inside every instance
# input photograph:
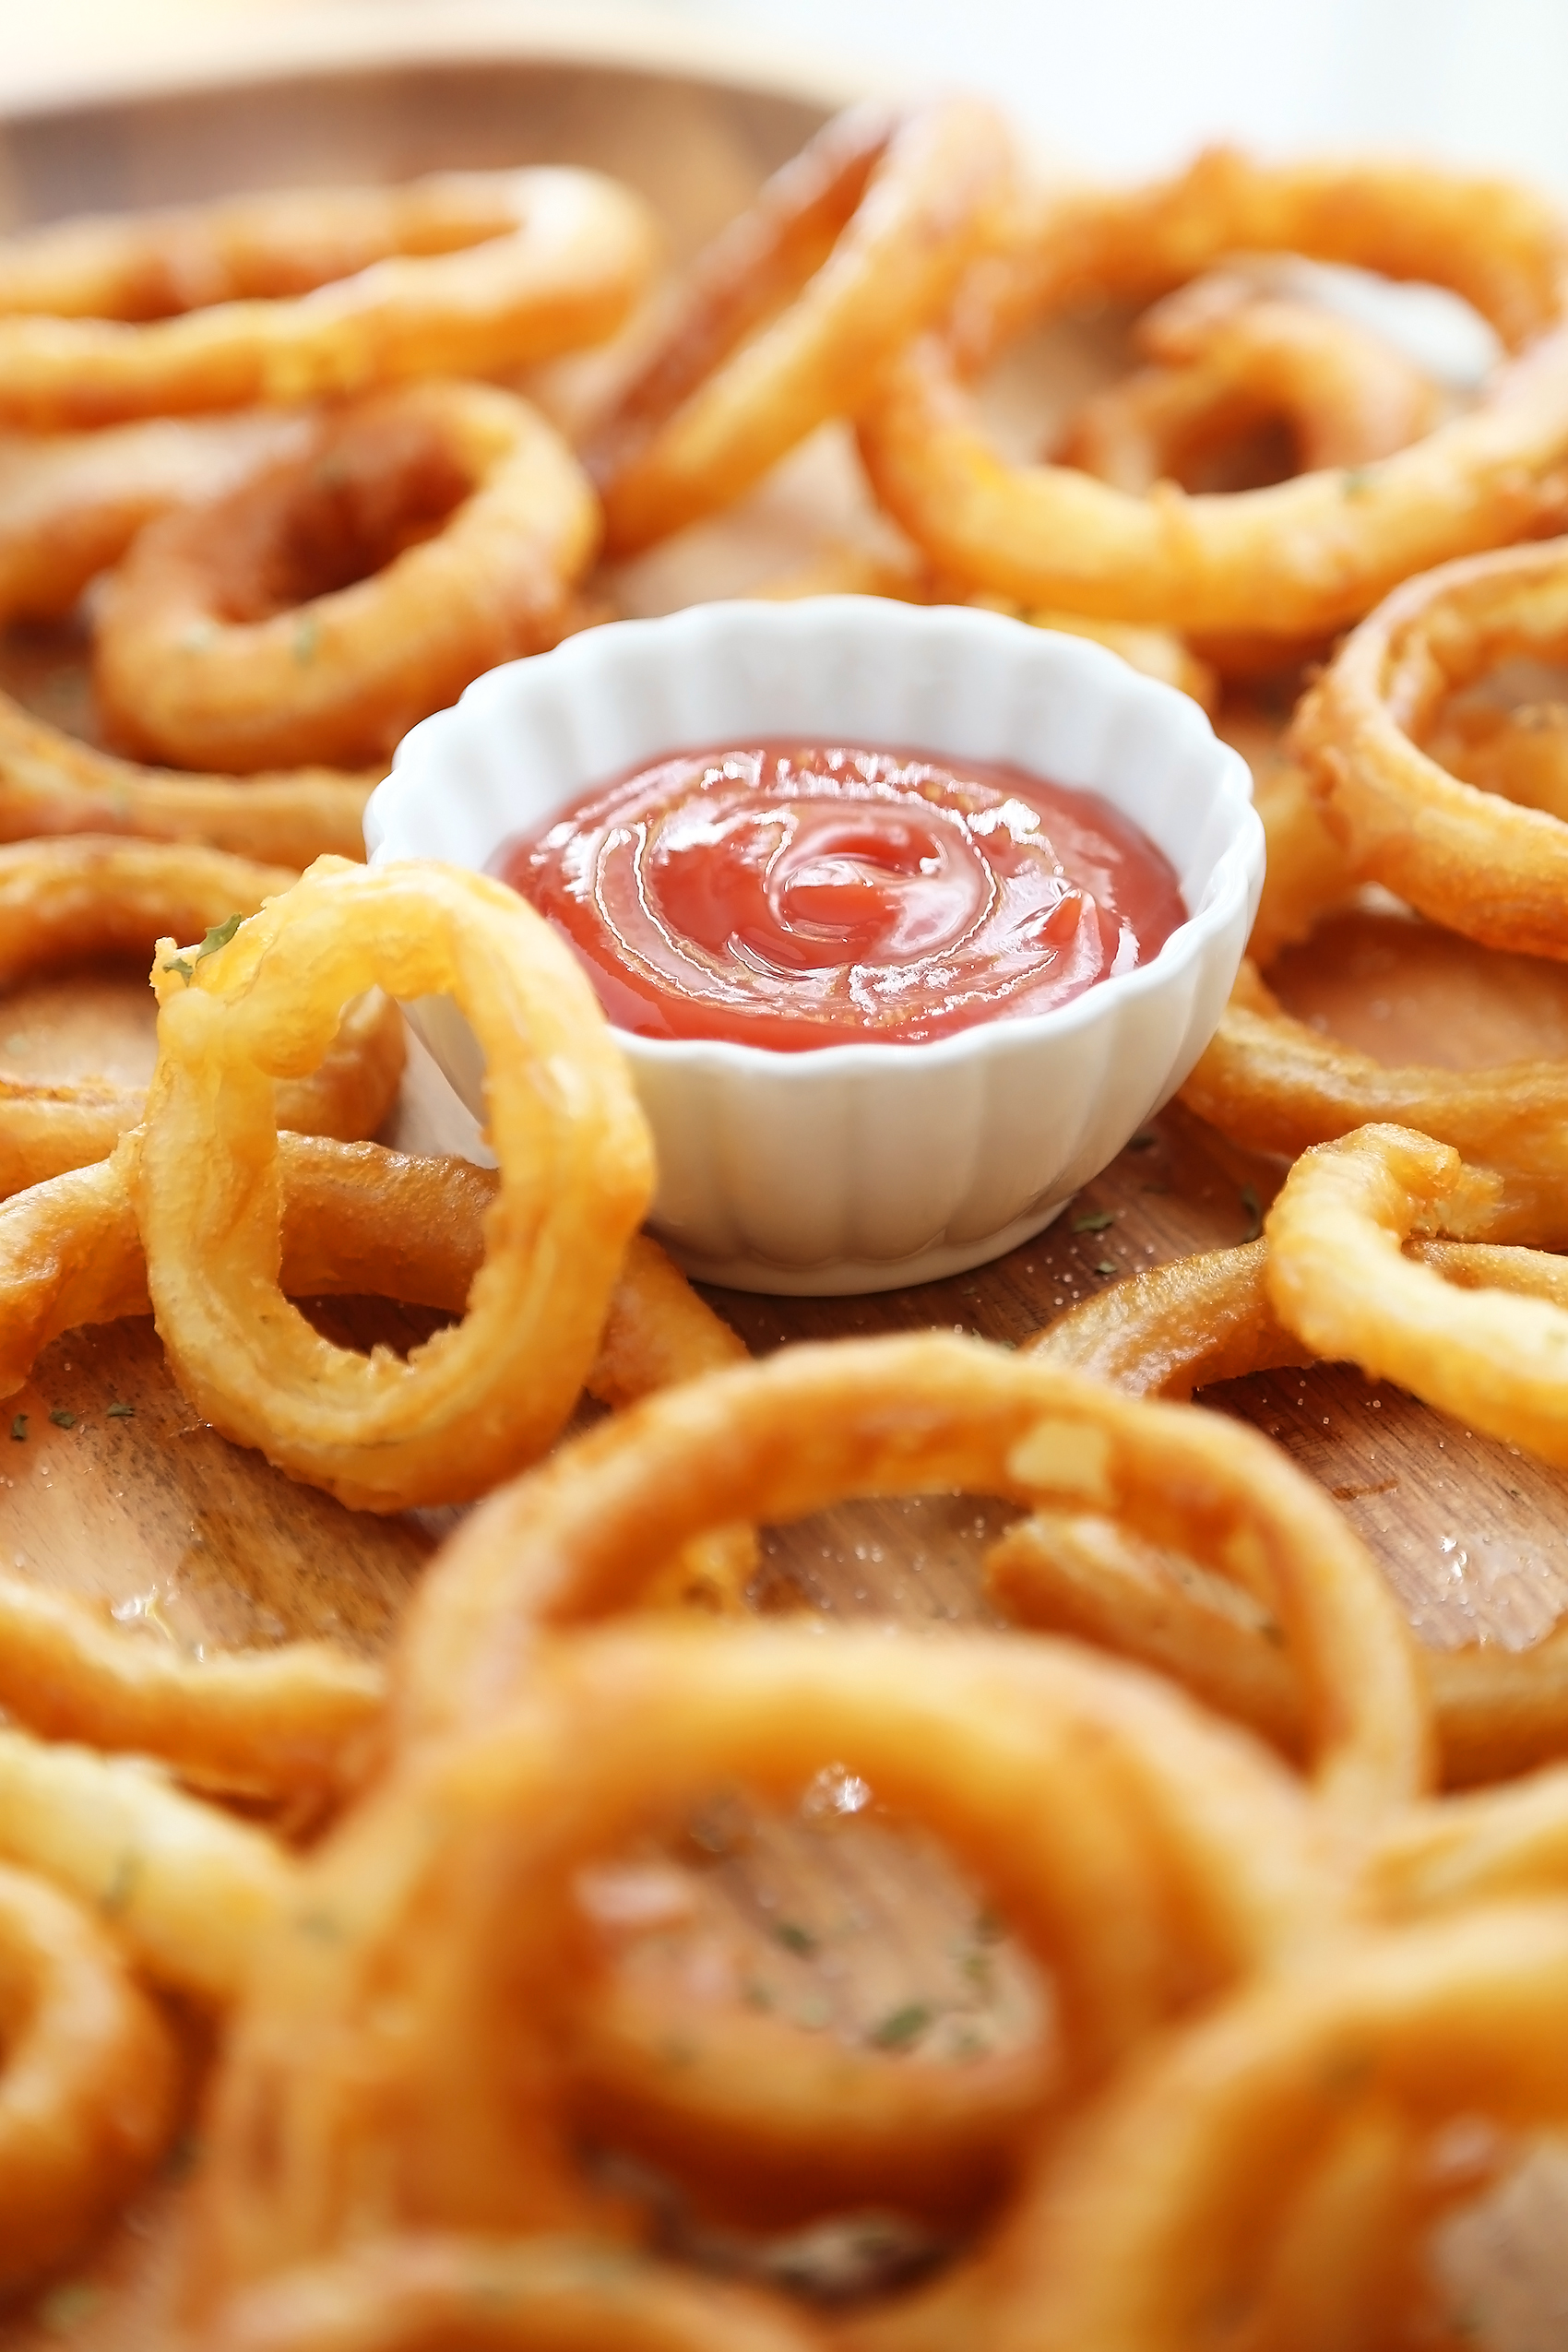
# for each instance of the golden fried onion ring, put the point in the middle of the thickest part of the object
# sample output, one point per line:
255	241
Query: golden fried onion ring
1271	1083
1493	1358
1178	2197
479	1399
1226	354
71	503
853	246
88	2085
188	1890
65	900
297	296
297	1722
1300	557
816	1425
425	534
1471	860
428	2292
51	783
1142	1852
1211	1318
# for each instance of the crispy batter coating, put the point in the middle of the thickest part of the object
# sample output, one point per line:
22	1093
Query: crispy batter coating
1295	559
88	2087
302	296
786	318
423	535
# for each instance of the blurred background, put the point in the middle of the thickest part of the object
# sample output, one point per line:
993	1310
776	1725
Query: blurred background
1120	85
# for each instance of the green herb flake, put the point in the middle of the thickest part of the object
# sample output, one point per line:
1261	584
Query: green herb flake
1145	1140
64	2309
217	936
62	1419
990	1926
1096	1222
307	640
1356	482
122	1412
1105	1266
18	1429
795	1938
1254	1209
901	2027
757	1996
815	2015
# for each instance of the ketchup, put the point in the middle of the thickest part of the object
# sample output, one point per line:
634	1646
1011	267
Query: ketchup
793	897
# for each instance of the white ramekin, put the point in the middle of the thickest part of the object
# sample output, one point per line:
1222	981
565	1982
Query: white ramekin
860	1167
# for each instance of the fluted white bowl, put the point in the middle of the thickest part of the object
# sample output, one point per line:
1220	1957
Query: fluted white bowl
859	1166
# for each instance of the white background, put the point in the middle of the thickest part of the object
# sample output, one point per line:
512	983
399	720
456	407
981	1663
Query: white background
1125	85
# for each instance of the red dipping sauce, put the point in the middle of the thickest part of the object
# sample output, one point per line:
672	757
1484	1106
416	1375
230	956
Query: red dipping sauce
792	896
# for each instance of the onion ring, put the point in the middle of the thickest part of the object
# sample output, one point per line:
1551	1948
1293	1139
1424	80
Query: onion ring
421	2294
475	1401
1300	558
87	2080
815	1425
187	1890
70	504
1466	858
1495	1359
245	633
855	245
51	783
300	1722
1488	1845
1170	2204
1143	1852
294	297
1228	354
1210	1318
1271	1083
62	900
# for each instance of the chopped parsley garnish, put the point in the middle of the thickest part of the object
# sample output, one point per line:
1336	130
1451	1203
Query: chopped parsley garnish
62	1419
1096	1222
18	1429
217	936
795	1938
901	2027
122	1412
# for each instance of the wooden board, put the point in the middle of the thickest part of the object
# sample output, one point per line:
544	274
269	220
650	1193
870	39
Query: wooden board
189	1540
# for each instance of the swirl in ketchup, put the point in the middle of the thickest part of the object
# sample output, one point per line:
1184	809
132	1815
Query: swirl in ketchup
794	897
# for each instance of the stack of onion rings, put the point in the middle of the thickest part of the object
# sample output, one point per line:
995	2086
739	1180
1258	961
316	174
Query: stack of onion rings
814	1424
121	897
1299	558
624	1729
